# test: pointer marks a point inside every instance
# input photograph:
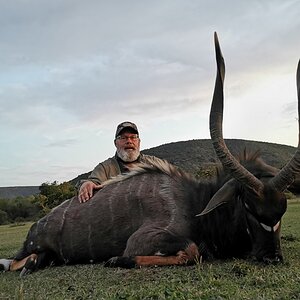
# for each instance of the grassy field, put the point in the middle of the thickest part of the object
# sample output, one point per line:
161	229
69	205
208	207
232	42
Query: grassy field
233	279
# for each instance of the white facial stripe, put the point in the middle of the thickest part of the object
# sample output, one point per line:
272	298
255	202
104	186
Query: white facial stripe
266	227
269	228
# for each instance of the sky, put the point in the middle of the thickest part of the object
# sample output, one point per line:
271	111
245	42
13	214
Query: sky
71	70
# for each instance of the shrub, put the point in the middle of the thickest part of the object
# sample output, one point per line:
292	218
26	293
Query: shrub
3	217
20	208
53	194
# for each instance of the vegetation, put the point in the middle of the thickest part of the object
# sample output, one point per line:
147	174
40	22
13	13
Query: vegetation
232	279
53	194
31	208
19	209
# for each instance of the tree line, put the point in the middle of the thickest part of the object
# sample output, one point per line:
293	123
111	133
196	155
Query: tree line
32	208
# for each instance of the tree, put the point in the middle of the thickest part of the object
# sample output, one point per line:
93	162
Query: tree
34	207
3	217
18	209
53	194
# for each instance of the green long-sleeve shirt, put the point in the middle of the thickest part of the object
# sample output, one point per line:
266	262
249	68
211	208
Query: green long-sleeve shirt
114	166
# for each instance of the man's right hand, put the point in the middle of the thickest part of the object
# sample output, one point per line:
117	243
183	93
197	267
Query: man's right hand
86	190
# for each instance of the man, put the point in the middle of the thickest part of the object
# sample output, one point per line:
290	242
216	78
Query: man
127	156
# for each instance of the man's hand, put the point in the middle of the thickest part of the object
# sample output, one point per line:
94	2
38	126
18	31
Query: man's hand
86	190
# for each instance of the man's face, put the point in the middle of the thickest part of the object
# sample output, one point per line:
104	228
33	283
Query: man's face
128	145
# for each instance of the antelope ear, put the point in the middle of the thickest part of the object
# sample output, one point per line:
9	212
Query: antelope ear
222	196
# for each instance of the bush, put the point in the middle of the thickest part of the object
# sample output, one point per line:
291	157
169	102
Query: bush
53	194
20	208
206	171
3	217
31	208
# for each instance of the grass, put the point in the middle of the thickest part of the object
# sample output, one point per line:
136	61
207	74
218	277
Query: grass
232	279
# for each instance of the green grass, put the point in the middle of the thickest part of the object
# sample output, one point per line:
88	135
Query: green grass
232	279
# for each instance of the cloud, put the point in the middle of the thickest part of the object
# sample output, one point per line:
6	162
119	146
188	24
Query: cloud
62	143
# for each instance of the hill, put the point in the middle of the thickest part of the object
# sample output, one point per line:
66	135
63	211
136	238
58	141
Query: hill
193	155
18	191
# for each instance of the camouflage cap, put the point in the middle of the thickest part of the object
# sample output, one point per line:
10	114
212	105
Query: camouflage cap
124	125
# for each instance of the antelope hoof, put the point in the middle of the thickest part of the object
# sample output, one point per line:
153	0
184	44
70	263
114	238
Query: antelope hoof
183	258
29	266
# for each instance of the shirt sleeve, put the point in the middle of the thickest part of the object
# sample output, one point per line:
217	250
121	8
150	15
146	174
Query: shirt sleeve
99	174
102	172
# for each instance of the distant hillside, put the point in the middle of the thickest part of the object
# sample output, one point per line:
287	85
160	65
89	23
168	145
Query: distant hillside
18	191
192	155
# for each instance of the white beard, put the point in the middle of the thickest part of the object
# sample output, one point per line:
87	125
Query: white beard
128	156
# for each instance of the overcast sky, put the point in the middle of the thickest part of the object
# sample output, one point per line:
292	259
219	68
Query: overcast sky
70	71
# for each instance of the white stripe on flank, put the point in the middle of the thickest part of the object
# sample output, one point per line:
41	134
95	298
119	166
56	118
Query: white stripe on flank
90	242
167	194
61	229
